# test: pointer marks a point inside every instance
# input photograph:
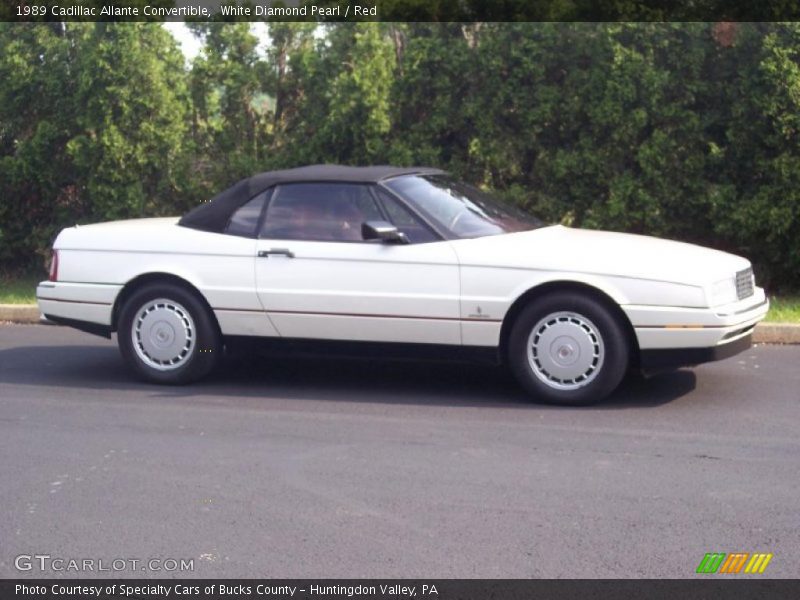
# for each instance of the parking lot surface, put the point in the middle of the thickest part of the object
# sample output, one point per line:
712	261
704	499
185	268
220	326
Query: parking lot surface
327	467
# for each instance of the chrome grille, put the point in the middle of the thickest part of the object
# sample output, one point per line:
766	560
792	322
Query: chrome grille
745	285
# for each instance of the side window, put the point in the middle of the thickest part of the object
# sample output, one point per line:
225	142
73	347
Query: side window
331	212
245	220
406	221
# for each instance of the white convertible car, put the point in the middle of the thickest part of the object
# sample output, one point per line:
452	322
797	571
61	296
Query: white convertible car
407	258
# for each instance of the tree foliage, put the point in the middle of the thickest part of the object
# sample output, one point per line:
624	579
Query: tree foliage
92	126
684	130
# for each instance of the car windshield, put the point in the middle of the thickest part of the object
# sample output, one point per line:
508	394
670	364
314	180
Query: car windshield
461	209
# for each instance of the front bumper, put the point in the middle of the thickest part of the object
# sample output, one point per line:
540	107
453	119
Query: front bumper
677	336
666	358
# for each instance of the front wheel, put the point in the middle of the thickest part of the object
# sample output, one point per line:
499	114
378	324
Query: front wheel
567	348
166	335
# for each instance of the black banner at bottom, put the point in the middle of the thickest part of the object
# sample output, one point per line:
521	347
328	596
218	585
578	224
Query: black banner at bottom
403	589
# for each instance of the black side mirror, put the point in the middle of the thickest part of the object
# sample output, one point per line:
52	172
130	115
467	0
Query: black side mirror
383	231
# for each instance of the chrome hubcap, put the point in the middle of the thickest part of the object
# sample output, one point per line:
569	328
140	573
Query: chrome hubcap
565	350
163	334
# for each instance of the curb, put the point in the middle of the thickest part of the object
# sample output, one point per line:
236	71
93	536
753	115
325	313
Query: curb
777	333
765	333
20	313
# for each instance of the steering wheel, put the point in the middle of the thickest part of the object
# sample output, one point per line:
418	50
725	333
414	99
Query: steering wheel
455	220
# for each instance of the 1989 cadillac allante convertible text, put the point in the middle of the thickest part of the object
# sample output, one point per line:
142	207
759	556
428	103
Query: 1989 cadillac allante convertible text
406	257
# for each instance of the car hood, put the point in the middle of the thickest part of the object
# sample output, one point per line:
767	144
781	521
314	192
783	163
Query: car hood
558	248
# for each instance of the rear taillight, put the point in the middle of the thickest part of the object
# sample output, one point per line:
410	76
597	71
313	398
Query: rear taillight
54	266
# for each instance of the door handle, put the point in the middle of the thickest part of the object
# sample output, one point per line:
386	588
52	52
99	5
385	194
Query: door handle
281	251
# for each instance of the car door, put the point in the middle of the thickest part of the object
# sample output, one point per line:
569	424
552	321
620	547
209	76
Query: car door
317	278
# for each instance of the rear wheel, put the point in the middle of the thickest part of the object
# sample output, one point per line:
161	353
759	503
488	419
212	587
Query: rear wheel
567	348
166	335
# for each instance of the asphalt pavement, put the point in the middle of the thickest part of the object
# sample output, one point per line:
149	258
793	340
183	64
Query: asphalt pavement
302	467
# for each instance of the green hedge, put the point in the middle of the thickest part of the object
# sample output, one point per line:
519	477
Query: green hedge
683	130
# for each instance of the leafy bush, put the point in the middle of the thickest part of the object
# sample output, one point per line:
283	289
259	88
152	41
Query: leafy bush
683	130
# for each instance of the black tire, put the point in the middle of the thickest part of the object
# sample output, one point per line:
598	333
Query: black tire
188	320
570	327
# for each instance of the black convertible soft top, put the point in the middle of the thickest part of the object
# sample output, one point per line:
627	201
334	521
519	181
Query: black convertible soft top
215	214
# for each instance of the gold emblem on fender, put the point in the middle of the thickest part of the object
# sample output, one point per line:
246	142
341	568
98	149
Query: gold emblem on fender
479	314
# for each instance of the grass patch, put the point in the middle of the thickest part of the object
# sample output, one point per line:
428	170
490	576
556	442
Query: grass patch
784	309
19	290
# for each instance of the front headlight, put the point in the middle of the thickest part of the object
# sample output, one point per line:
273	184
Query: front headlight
723	291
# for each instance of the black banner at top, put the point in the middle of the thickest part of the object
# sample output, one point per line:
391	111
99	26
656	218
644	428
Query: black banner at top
399	10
